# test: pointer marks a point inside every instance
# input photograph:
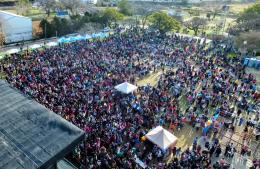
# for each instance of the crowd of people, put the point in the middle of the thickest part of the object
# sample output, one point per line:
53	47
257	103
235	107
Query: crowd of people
77	81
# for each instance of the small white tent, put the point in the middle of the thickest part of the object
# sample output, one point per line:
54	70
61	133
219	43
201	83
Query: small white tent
161	137
35	46
126	88
50	44
12	51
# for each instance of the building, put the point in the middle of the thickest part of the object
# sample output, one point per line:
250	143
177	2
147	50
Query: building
31	136
14	27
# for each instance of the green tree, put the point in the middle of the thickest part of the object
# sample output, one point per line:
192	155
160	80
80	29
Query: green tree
248	20
72	5
111	15
47	29
66	27
163	22
62	26
47	5
125	7
77	21
253	9
57	26
250	13
196	24
143	12
22	7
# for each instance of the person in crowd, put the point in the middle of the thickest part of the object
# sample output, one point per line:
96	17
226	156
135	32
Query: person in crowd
77	81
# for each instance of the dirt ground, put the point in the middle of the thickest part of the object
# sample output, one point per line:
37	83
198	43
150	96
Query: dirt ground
187	134
151	79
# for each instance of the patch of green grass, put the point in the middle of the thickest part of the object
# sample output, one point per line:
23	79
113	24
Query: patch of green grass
2	55
2	75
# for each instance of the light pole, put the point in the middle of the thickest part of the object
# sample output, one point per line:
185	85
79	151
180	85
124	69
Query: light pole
2	36
226	11
244	46
45	31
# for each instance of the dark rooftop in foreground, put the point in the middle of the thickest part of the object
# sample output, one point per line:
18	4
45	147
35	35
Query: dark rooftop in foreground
31	136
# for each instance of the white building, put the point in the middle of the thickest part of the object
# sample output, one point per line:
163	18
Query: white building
14	27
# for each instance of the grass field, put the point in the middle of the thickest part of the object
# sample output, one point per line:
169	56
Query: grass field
237	8
187	133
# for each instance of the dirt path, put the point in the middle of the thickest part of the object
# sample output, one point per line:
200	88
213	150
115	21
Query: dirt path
151	79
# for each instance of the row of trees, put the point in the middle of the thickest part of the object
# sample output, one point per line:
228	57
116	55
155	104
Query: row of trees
73	6
247	28
63	26
109	17
249	20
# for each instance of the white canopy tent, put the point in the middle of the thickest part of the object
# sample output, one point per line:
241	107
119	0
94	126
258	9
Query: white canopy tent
161	137
126	88
50	44
35	46
12	51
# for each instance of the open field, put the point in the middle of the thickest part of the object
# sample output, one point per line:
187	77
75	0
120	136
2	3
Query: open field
188	133
237	8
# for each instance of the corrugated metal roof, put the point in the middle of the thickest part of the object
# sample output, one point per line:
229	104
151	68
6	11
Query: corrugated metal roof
31	136
5	14
13	15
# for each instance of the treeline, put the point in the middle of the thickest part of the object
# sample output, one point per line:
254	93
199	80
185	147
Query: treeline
62	26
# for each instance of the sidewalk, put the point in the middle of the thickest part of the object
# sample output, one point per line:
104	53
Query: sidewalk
17	45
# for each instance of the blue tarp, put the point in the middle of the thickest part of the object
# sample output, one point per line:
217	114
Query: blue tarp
257	65
62	13
88	37
252	62
100	35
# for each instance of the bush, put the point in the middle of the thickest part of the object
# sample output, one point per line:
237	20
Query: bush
232	55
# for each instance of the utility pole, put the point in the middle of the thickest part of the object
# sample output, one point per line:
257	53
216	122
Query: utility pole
45	27
2	36
226	11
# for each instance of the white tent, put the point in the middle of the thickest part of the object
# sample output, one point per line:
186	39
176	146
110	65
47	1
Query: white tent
50	44
12	51
161	137
126	88
35	46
